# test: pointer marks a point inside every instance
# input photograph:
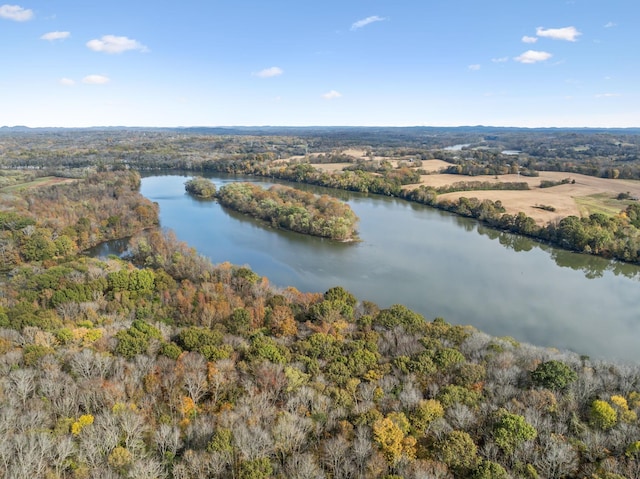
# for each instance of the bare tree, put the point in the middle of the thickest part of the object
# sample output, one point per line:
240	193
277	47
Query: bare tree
289	433
253	442
194	375
336	457
223	375
303	466
361	448
132	427
167	439
31	455
69	310
63	449
555	458
410	395
62	393
460	416
89	364
33	419
147	468
22	383
429	470
199	432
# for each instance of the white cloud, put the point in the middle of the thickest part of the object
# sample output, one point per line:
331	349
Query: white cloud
500	60
474	68
51	36
15	13
527	39
610	25
567	33
331	95
269	72
113	44
95	80
66	82
366	21
608	95
533	56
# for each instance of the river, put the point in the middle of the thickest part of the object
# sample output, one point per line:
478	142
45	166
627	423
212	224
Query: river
435	263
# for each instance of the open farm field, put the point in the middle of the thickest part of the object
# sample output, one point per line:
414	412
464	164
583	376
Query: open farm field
587	195
582	196
432	166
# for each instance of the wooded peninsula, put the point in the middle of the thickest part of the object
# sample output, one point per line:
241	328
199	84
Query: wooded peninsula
284	207
164	365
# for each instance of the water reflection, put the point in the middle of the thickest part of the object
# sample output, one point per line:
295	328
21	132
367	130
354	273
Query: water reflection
592	266
291	237
118	247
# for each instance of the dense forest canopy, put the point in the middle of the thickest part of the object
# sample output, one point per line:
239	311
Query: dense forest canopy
166	366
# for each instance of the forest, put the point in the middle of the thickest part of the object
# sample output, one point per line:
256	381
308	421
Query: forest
163	365
290	209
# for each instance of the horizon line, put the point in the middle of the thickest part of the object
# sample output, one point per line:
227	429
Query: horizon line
124	127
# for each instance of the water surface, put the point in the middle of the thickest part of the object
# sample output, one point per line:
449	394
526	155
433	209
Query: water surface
433	262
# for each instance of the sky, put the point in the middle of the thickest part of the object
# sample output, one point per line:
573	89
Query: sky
523	63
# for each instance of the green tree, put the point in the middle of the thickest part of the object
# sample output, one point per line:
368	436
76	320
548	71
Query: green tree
38	246
239	322
263	347
490	470
553	375
511	430
64	245
458	451
260	468
338	293
135	340
170	350
448	357
452	394
399	315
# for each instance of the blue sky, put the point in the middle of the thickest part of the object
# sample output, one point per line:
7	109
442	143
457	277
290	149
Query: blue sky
527	63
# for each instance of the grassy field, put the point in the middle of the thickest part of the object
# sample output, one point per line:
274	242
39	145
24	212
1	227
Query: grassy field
601	203
17	183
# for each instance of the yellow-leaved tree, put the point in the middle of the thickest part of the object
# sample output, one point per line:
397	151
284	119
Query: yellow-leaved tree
390	433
